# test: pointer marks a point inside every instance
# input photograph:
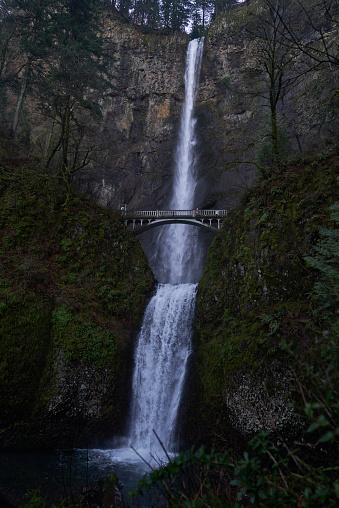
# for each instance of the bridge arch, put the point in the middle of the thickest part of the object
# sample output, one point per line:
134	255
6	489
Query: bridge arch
140	221
142	225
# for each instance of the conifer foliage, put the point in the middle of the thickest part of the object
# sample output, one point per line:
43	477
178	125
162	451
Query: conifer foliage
53	52
326	260
172	15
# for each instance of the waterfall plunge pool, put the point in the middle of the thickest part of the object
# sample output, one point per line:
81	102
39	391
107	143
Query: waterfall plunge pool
65	473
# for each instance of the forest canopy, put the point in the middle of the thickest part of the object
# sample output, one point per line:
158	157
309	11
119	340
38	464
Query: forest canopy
170	15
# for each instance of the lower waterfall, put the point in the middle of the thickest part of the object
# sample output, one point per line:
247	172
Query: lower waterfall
160	366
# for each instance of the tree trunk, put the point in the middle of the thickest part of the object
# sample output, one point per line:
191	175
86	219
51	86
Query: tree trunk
66	138
3	59
274	134
20	101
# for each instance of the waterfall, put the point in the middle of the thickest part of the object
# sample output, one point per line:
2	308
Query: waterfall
164	342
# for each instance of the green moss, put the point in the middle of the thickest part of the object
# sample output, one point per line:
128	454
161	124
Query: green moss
253	299
83	340
71	277
24	346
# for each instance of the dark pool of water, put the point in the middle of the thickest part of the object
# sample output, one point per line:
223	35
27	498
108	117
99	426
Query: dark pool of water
64	473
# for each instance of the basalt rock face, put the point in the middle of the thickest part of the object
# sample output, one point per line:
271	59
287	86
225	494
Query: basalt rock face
137	139
232	107
73	287
138	135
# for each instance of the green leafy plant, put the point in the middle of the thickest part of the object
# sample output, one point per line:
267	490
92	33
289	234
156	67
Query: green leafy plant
326	260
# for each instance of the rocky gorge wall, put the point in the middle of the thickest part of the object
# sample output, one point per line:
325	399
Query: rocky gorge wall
59	294
73	287
256	326
232	106
136	141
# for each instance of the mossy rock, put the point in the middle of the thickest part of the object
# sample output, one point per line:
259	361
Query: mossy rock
24	349
253	303
73	282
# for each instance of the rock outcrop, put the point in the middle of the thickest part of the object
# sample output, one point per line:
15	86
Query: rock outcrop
137	139
134	162
73	287
255	323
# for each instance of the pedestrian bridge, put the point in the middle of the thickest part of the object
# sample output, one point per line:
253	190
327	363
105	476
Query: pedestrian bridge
140	221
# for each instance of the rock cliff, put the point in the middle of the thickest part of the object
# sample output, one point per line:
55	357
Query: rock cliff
137	139
255	323
138	136
232	108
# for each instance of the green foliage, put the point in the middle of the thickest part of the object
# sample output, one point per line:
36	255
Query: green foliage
66	244
71	278
225	81
272	472
60	49
35	500
187	480
83	340
326	260
265	152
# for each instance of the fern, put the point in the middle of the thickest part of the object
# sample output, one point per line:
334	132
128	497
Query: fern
326	260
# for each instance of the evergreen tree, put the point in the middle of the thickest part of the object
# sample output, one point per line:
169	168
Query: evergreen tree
205	7
32	19
146	13
166	13
176	13
197	27
124	7
72	76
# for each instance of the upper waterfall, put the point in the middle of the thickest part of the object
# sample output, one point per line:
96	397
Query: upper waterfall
178	258
185	170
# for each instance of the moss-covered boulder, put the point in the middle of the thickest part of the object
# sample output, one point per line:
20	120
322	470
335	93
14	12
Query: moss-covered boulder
73	286
254	311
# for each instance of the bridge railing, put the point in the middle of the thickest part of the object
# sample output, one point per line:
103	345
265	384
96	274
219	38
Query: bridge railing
148	214
212	213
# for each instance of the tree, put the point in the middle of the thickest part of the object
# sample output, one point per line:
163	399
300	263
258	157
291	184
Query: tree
282	40
326	260
7	33
323	19
206	8
274	56
175	14
146	13
124	7
32	18
8	53
72	77
322	48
